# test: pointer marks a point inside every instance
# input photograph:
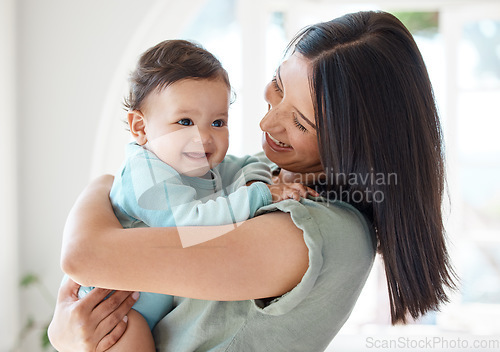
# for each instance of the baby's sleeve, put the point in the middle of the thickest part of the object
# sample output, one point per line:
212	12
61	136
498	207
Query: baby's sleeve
148	190
236	172
162	199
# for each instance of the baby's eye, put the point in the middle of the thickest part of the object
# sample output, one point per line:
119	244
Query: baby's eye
218	123
185	122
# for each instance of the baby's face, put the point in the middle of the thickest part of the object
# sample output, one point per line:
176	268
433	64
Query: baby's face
186	124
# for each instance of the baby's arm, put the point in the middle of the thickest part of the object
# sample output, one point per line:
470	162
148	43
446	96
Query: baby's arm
175	204
249	169
170	202
237	172
162	199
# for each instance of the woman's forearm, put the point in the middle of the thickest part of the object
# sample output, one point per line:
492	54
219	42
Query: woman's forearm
82	228
264	257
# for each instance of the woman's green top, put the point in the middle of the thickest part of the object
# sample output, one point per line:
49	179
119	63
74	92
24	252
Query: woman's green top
341	253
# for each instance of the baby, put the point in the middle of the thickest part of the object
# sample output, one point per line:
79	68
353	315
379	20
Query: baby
176	172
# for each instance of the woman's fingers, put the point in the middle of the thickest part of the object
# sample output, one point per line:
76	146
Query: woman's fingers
312	192
116	300
111	312
295	191
94	297
110	339
303	191
93	323
71	328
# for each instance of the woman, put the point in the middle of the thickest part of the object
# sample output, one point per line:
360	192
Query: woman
351	113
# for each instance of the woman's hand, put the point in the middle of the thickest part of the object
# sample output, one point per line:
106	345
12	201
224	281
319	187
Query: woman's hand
92	323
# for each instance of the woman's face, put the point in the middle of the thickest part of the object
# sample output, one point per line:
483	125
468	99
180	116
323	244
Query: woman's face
289	139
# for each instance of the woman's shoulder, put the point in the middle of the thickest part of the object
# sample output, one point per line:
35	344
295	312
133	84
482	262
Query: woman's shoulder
329	221
342	223
338	237
340	240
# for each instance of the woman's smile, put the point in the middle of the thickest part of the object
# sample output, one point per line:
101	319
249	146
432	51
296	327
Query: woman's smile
275	143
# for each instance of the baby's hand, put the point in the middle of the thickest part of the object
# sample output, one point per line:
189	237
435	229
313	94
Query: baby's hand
284	191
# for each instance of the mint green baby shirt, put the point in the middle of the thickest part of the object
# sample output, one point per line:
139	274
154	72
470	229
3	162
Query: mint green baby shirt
341	253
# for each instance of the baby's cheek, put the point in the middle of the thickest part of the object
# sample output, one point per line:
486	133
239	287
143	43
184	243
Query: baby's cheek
167	146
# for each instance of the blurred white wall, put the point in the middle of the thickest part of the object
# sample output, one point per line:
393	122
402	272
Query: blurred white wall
67	52
8	196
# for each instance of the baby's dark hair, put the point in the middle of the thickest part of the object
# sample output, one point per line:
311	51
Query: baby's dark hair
168	62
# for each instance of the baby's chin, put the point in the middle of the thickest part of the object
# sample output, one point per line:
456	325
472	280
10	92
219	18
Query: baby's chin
201	172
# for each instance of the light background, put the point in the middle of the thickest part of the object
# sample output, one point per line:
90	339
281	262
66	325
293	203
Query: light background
63	69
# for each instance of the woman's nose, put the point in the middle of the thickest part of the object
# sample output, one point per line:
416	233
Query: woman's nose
271	122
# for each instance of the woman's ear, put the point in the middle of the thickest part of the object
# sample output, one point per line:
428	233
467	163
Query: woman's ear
137	126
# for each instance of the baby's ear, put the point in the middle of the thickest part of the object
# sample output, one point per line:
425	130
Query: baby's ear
137	126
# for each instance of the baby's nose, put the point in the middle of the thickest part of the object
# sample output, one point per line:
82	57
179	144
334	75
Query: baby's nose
202	136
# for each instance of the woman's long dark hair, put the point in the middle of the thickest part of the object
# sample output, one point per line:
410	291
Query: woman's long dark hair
381	146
